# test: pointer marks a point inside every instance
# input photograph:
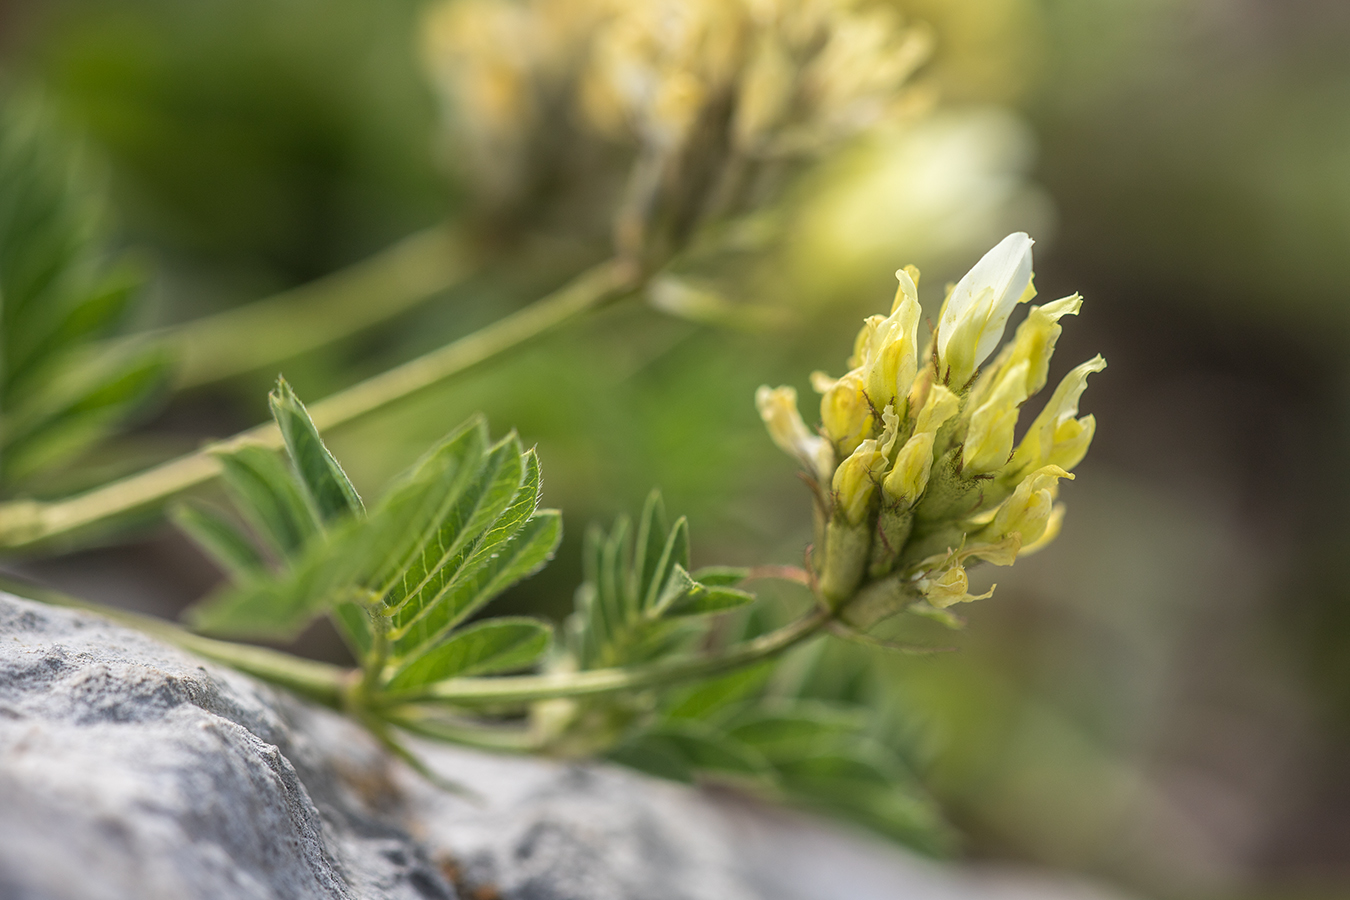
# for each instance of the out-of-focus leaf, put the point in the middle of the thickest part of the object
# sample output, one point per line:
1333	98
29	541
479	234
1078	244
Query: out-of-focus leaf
219	538
266	493
59	393
683	596
721	576
495	645
685	749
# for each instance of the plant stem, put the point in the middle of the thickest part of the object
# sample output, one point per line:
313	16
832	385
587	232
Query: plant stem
527	688
330	685
27	522
283	326
318	681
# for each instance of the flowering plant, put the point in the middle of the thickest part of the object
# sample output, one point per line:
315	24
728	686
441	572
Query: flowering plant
914	469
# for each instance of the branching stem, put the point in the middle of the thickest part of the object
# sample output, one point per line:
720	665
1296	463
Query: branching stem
27	522
269	331
332	685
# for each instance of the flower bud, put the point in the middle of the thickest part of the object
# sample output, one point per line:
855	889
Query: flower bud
1056	437
989	439
855	482
893	358
778	408
950	587
1052	527
1027	512
914	463
974	316
845	414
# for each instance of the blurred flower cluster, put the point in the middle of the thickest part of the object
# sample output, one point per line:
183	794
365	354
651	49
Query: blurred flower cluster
714	104
914	468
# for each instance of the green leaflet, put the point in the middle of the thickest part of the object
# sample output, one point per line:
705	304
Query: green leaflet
219	538
265	492
522	555
59	392
638	594
325	573
325	484
682	751
495	645
683	596
454	534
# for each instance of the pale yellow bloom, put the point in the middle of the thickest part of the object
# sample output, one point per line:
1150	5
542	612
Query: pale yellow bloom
975	315
1034	343
950	587
989	440
1028	511
778	408
845	414
914	463
1056	437
890	354
1052	527
855	481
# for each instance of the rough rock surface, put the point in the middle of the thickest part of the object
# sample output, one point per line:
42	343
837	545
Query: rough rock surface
129	769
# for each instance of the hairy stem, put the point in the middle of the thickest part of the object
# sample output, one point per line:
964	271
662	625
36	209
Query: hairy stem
334	307
527	688
332	685
28	522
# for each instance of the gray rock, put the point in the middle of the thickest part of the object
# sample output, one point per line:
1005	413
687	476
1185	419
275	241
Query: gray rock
129	769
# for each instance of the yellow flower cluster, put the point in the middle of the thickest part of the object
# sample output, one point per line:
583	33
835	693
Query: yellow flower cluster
717	100
916	465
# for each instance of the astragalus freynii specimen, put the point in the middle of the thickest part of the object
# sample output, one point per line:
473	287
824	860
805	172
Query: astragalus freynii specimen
914	466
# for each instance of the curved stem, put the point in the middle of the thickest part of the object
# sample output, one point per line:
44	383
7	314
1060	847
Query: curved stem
527	688
318	681
27	522
281	327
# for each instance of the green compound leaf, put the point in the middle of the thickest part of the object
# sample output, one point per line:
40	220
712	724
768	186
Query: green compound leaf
496	645
60	392
452	533
325	484
637	596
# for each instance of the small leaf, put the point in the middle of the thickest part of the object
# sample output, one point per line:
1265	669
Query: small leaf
801	733
522	555
684	596
495	645
323	578
651	539
721	576
686	748
219	538
265	491
409	514
675	552
456	533
708	698
353	624
326	485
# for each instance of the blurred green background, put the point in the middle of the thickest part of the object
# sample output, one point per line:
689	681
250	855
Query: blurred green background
1162	699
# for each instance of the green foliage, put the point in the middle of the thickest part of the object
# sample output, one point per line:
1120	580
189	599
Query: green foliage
400	580
58	296
638	595
807	729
